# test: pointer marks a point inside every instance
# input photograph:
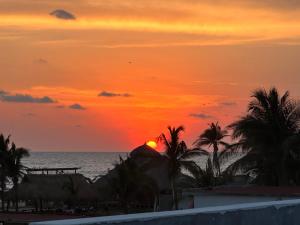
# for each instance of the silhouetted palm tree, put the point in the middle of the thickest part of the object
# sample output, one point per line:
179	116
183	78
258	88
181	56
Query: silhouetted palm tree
73	189
129	182
204	177
4	149
178	156
293	159
264	133
15	168
214	137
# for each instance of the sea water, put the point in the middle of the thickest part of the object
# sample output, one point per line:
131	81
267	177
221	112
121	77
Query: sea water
91	164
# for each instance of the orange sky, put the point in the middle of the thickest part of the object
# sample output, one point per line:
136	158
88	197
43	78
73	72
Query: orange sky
154	63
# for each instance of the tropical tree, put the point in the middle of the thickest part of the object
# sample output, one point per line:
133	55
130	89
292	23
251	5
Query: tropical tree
266	134
293	159
204	177
72	189
15	168
129	182
178	157
4	150
214	137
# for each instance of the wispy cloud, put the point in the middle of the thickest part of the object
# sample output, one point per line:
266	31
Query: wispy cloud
228	103
30	115
62	14
77	106
201	115
41	61
113	94
267	20
24	98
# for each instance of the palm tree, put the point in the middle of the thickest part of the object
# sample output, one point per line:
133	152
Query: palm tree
293	159
214	137
16	168
72	189
4	149
264	134
129	182
178	155
204	177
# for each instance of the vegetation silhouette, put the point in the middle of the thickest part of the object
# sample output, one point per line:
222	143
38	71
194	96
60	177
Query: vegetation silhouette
16	169
267	134
178	157
204	177
4	149
73	189
214	137
11	167
129	184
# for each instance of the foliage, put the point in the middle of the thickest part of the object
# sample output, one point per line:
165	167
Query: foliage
129	184
16	168
267	134
204	177
11	167
178	157
4	150
214	137
72	188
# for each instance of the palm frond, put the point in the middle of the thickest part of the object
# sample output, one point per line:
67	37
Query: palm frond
189	165
196	152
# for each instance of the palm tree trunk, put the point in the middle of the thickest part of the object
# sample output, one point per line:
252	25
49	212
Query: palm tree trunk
2	201
2	193
16	196
174	194
156	203
36	205
41	204
7	205
282	174
216	159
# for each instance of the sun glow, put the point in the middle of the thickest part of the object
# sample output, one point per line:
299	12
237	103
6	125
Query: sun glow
151	144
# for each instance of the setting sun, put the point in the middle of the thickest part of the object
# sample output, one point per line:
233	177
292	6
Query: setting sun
152	144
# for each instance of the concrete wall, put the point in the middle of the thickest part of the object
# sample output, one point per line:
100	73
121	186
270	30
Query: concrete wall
285	212
219	200
200	199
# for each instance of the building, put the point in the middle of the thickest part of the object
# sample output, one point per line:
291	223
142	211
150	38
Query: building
220	196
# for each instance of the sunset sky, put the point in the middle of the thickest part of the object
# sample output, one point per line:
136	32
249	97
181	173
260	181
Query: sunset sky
108	75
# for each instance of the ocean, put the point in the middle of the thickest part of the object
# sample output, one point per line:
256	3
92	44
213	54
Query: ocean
92	164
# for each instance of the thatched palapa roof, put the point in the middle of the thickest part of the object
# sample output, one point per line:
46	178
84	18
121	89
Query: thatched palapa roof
57	187
150	161
144	151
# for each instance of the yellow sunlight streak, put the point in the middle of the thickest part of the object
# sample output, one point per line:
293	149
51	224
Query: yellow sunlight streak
233	31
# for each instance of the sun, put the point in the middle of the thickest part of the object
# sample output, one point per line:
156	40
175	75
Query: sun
151	144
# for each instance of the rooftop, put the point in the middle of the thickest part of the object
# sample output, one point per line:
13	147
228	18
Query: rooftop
57	170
